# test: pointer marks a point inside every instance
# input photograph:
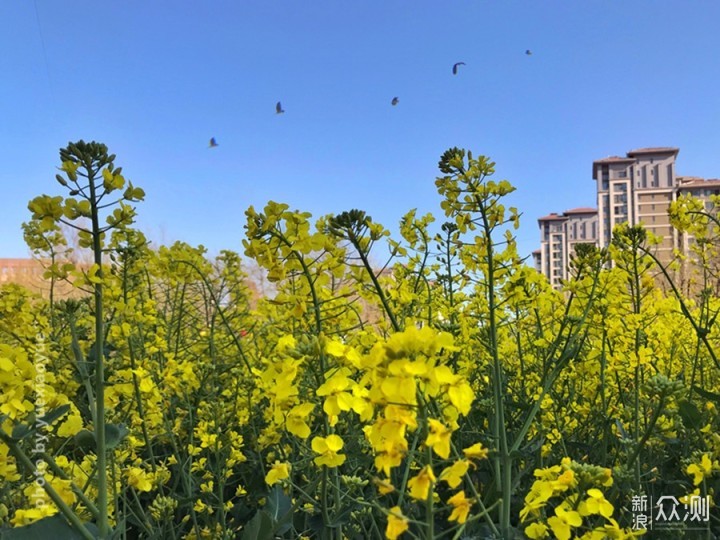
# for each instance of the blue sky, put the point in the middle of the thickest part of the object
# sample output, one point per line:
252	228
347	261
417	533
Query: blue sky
155	80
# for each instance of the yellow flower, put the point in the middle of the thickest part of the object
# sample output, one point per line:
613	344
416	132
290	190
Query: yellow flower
421	484
400	390
8	470
70	426
278	472
338	398
461	396
207	487
539	494
286	343
385	461
25	517
384	486
461	507
563	521
476	451
328	448
536	531
296	423
565	480
453	475
701	470
596	504
201	507
439	438
139	479
397	523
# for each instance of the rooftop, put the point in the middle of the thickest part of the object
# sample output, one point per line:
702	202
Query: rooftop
654	150
552	217
613	159
698	183
581	210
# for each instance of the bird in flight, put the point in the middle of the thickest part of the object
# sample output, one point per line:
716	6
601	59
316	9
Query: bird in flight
278	108
528	52
213	143
455	67
395	101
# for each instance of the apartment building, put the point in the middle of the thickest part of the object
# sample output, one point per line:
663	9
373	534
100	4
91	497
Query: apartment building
698	188
559	233
637	189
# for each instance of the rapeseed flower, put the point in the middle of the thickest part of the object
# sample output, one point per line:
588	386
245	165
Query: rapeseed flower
296	420
476	451
421	484
397	523
277	473
702	470
328	448
454	474
563	522
596	503
438	438
461	507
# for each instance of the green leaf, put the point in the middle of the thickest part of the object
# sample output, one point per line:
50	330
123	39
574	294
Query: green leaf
712	396
115	434
54	527
279	508
21	431
85	439
260	527
55	414
690	414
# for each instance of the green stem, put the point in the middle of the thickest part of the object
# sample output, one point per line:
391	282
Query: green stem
103	523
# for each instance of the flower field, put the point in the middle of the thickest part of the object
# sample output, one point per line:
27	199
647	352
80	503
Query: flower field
430	386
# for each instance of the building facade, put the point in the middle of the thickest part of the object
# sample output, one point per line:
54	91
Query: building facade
559	233
637	189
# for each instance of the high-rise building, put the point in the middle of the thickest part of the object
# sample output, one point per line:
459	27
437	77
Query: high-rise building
559	233
636	189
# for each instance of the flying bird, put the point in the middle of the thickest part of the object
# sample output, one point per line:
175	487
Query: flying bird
528	52
455	67
395	101
278	108
213	143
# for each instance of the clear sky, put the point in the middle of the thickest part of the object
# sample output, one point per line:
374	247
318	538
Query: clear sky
154	80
